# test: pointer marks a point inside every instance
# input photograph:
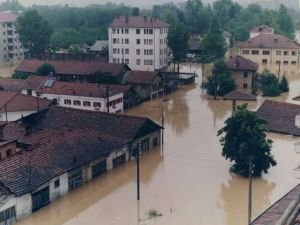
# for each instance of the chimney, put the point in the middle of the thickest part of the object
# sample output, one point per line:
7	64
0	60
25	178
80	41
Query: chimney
276	38
297	121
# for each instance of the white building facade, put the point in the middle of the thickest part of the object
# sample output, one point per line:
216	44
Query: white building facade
11	51
138	41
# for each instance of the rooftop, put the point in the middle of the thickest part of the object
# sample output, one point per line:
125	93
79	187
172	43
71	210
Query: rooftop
6	17
138	22
99	45
269	41
71	67
280	116
13	85
262	29
239	95
240	63
141	77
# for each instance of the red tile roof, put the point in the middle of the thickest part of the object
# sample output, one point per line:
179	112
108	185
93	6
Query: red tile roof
141	77
240	63
262	29
71	67
83	89
19	103
7	17
269	41
239	95
280	116
14	85
138	22
34	82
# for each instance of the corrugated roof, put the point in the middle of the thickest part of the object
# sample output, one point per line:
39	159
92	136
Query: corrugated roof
241	63
141	77
269	41
99	45
138	22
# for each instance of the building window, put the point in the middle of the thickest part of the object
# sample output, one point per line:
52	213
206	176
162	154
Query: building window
138	51
245	52
114	40
286	53
294	53
148	62
56	183
255	52
67	102
138	41
126	51
97	104
126	31
114	50
245	85
138	31
86	103
278	52
8	152
285	62
113	30
138	62
245	74
76	102
293	62
265	52
127	61
278	62
126	41
8	216
264	61
75	179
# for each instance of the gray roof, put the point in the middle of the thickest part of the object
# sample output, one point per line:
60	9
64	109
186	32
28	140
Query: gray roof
99	45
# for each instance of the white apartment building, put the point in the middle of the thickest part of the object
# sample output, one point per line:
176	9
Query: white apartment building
138	41
11	50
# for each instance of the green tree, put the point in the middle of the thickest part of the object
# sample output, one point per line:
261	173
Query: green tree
34	32
244	136
45	70
284	23
214	42
135	11
270	84
220	82
284	84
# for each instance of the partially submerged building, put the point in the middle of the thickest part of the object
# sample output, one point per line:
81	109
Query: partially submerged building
64	148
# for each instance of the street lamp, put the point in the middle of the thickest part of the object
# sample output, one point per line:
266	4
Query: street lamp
137	157
163	119
251	167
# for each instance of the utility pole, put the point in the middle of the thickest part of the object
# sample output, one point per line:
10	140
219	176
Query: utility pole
215	85
5	107
279	70
137	156
107	97
37	101
162	124
251	166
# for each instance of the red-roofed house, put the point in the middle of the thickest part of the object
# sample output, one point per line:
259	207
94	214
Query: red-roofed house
243	71
139	41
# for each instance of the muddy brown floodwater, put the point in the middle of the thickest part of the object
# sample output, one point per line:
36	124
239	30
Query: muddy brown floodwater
189	181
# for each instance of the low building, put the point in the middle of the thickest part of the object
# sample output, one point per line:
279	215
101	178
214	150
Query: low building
95	97
146	83
271	51
243	71
262	29
99	46
281	117
81	71
14	106
69	147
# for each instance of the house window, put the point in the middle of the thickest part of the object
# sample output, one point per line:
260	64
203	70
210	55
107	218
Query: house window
293	63
138	31
138	51
245	85
255	52
245	52
86	103
138	41
76	102
8	152
294	53
278	62
126	31
97	104
138	62
126	51
127	41
264	61
265	52
286	53
278	52
67	102
114	40
245	74
114	50
75	179
155	141
8	216
285	62
56	183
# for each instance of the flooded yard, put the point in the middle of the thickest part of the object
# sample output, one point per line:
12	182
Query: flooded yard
187	180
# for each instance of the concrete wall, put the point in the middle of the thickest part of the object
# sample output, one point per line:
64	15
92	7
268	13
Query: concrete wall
159	46
240	80
13	116
3	149
61	190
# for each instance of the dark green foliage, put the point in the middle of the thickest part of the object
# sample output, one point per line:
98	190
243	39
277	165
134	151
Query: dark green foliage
45	70
270	84
34	32
284	84
244	135
11	6
214	41
135	11
221	80
22	76
284	23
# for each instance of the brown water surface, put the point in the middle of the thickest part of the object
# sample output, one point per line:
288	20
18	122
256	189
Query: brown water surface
188	181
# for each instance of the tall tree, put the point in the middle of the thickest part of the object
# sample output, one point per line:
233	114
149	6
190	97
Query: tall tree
135	11
214	42
284	23
244	138
34	32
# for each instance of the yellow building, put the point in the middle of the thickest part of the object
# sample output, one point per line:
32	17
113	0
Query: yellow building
271	51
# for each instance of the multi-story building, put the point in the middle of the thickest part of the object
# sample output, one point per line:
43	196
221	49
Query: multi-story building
138	41
271	51
11	50
262	29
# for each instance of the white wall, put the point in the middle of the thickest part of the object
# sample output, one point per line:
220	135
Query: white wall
61	190
13	116
115	154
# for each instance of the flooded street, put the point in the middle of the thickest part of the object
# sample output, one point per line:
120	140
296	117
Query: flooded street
188	181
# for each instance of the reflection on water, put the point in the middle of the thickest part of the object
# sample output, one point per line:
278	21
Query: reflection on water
191	184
